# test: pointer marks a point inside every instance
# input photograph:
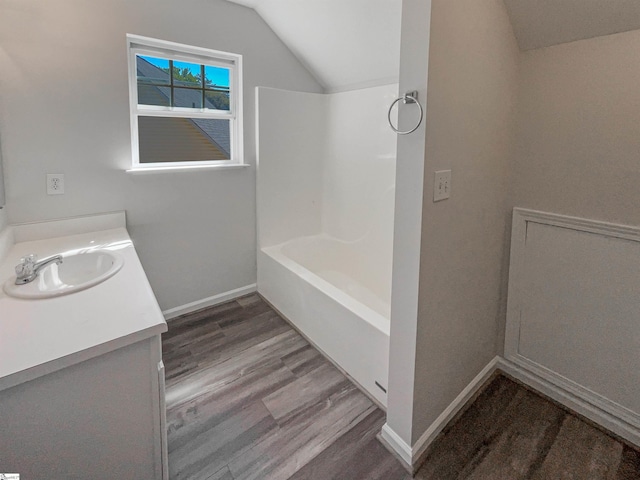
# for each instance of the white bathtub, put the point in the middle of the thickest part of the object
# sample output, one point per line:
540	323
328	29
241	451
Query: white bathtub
328	290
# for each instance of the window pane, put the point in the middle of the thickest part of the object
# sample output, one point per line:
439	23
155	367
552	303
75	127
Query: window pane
162	139
216	77
187	74
152	70
153	95
187	97
217	84
218	100
151	73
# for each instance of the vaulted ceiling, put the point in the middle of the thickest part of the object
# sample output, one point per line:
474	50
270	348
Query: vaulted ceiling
542	23
349	44
345	44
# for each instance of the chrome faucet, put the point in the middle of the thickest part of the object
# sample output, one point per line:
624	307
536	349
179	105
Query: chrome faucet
29	268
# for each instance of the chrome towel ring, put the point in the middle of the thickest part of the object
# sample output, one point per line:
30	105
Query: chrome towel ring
409	97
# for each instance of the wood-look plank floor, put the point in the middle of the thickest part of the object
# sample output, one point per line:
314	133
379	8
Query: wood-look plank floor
249	398
510	432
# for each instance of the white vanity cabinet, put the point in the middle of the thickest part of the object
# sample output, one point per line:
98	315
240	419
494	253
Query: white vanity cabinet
98	419
81	375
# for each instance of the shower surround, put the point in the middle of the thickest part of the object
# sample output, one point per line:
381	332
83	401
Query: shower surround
325	203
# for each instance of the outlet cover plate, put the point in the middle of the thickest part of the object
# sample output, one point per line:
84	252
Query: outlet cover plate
55	183
441	185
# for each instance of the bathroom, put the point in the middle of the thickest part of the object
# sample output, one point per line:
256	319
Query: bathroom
498	113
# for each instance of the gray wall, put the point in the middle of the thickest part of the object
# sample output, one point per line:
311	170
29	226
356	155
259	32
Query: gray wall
471	99
577	140
2	195
578	137
4	220
65	110
554	129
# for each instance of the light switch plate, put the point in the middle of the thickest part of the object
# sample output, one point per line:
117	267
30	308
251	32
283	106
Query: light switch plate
441	185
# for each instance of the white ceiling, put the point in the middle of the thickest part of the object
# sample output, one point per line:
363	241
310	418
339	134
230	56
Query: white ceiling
345	44
350	44
542	23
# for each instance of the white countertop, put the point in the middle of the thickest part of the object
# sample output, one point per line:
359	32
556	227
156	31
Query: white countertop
41	336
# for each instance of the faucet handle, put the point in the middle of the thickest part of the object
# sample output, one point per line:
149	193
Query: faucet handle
31	258
26	264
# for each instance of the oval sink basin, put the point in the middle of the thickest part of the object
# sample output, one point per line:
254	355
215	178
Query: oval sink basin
76	272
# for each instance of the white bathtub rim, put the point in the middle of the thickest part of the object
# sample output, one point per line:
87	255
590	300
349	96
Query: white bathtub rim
377	320
323	236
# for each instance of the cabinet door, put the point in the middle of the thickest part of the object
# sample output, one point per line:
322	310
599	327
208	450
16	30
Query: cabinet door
93	420
163	422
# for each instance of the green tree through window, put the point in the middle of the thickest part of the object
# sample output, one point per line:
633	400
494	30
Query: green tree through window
209	84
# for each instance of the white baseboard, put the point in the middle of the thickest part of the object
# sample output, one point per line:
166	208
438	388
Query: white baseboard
609	415
412	455
454	407
393	441
209	301
613	419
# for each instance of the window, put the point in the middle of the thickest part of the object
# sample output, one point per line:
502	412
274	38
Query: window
186	105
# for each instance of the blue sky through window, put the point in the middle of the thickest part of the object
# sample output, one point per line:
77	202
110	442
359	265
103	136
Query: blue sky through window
217	75
158	62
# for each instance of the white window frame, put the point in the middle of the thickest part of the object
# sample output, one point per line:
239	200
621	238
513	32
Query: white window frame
138	45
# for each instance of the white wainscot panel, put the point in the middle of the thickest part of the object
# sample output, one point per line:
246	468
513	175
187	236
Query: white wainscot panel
574	309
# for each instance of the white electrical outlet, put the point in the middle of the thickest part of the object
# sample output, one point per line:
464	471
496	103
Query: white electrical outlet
441	185
55	183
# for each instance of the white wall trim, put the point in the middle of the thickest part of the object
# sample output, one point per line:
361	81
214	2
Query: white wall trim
454	407
521	218
413	455
583	224
607	414
209	301
393	441
597	408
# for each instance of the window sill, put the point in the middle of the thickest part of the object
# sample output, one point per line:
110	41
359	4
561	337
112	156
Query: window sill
189	168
